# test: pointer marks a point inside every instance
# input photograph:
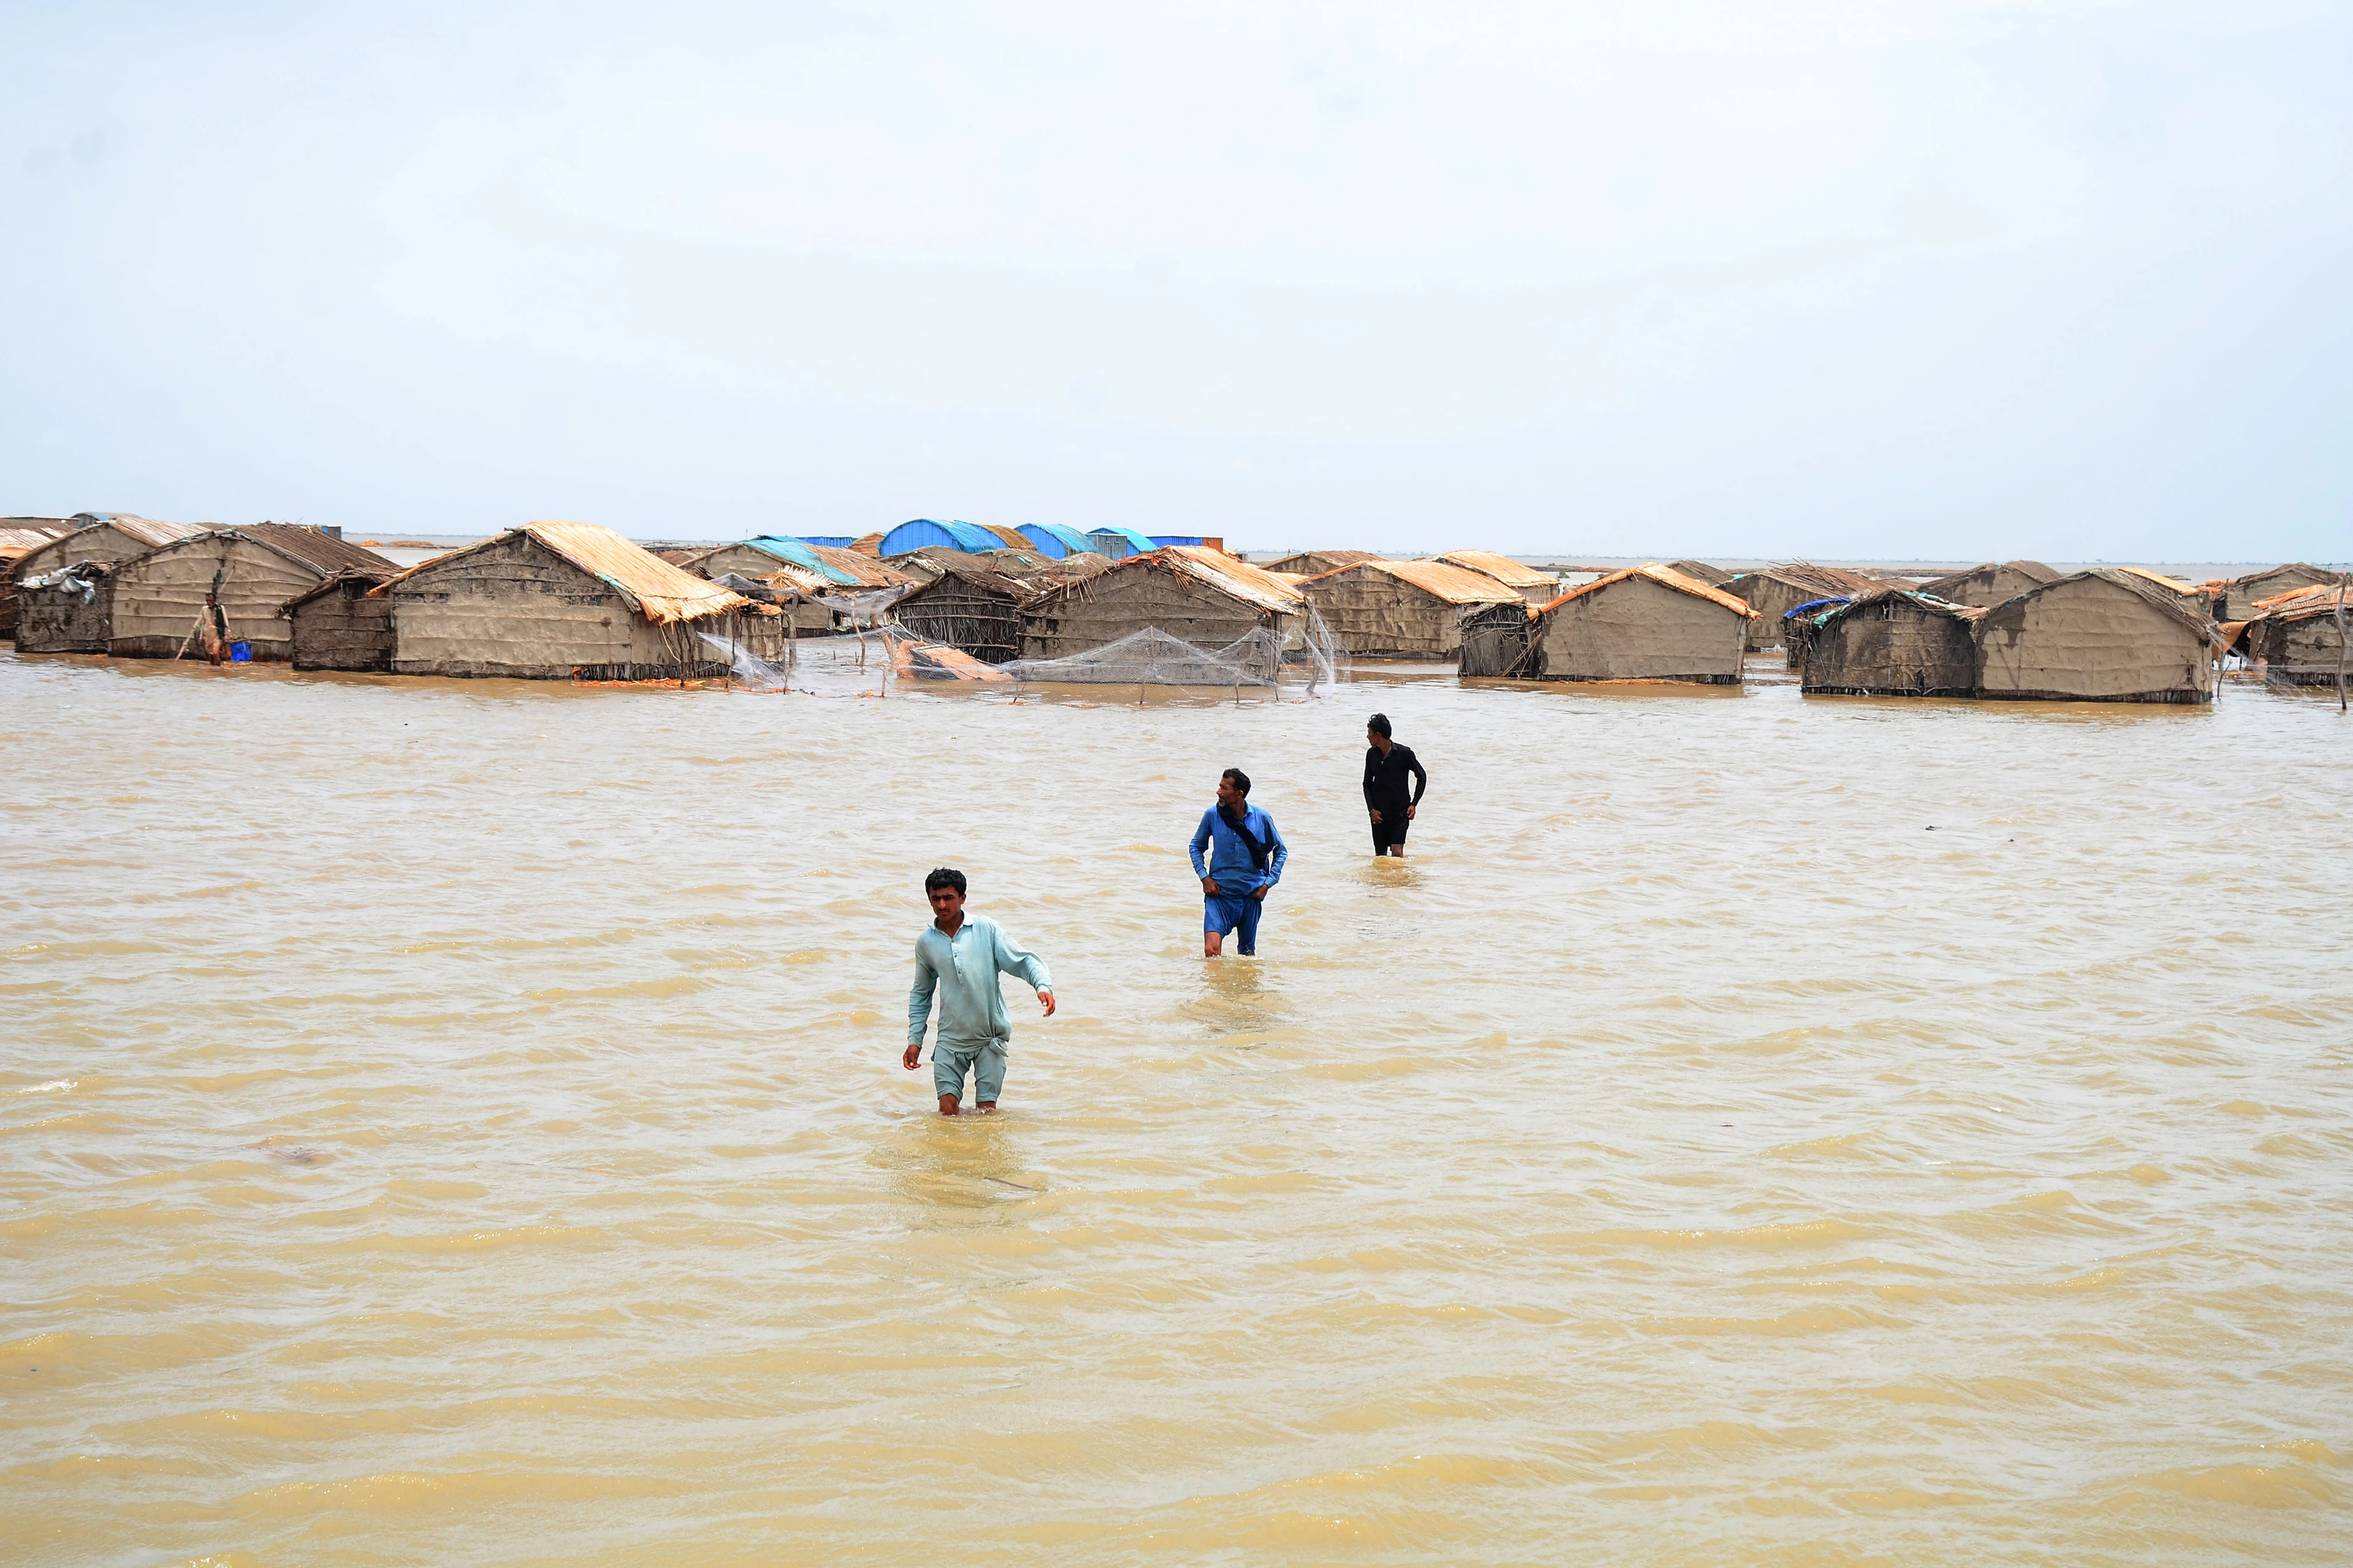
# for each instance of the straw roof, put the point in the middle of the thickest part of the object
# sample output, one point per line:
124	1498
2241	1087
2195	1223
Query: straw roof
2303	603
663	593
1313	562
1502	568
325	552
1666	575
1455	585
150	532
2171	584
1236	576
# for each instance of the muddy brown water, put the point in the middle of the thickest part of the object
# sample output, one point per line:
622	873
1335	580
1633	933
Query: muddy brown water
461	1123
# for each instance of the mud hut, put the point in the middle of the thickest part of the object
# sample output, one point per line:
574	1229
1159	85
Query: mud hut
64	588
553	601
2241	598
252	572
2102	636
1408	609
1989	583
1647	623
1890	642
2297	637
1775	591
1199	596
339	625
1316	563
1537	587
19	537
1700	571
1495	639
967	605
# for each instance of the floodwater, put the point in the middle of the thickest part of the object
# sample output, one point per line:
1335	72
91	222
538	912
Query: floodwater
461	1123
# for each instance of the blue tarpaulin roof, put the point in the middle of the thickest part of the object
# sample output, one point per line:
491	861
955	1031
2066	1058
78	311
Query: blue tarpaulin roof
952	534
1161	539
1122	542
1054	542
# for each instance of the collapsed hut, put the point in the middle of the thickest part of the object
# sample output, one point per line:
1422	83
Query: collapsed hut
754	560
1991	584
1889	642
64	589
2298	637
2101	636
1775	591
1316	563
1403	609
1496	638
1645	623
250	573
969	604
553	601
1202	596
1537	587
2241	598
19	537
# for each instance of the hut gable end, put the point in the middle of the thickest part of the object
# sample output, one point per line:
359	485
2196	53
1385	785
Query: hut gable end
513	606
159	596
2100	635
1163	590
1637	625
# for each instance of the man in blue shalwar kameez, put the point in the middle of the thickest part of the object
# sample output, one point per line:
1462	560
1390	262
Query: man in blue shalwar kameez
960	957
1244	859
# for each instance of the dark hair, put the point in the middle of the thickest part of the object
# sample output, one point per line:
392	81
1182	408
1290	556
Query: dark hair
1379	725
945	877
1242	779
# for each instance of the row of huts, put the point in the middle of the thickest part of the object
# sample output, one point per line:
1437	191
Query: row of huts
561	599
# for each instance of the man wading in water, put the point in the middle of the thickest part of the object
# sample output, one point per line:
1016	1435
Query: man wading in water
961	958
1387	767
1245	859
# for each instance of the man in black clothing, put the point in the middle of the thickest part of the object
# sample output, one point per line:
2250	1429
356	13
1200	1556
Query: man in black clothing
1387	767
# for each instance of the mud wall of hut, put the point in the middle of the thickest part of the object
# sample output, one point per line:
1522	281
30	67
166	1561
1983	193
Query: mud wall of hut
343	629
158	596
1772	599
1105	608
1371	612
1638	629
2094	641
2303	652
54	620
1891	647
517	609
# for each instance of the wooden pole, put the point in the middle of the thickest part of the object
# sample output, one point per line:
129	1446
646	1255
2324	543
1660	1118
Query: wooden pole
2342	578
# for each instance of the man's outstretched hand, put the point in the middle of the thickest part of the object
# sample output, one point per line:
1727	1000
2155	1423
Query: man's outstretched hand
914	1054
1048	998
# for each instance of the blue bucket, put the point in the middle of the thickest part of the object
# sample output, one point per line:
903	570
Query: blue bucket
240	653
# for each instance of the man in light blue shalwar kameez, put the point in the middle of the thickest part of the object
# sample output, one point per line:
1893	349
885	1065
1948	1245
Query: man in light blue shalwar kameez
960	957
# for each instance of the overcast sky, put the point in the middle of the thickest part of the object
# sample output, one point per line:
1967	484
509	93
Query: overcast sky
1928	279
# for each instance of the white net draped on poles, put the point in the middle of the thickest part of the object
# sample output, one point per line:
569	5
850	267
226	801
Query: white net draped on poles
873	656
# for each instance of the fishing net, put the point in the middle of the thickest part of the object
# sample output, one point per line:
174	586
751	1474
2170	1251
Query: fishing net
1154	658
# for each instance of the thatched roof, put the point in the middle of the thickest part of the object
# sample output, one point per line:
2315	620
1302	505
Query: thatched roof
1824	580
1666	575
1233	574
148	531
1454	585
1502	568
1316	563
1700	571
324	551
661	591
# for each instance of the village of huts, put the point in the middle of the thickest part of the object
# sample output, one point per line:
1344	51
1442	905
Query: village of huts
575	600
